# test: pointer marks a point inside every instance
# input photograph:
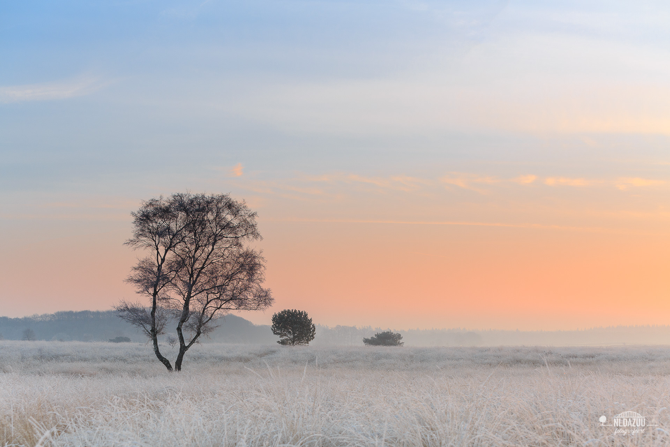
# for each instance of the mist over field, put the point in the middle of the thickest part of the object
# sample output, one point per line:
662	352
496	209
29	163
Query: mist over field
98	326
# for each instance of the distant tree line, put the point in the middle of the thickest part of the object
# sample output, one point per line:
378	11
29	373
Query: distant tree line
104	325
67	326
353	336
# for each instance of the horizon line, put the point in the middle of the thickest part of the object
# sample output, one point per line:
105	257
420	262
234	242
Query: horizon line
403	330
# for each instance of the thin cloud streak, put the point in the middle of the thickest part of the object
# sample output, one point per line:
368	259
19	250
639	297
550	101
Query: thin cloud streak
565	181
462	224
465	181
331	185
525	179
626	183
51	90
399	182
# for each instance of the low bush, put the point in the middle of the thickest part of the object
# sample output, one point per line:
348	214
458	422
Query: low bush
386	338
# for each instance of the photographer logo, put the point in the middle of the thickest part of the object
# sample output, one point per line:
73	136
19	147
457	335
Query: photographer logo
626	423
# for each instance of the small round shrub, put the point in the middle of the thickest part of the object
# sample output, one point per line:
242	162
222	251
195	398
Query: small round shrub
386	338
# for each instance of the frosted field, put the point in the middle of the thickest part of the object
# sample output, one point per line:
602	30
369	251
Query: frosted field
104	394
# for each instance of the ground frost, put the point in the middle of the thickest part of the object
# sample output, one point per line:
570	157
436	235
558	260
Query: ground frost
87	394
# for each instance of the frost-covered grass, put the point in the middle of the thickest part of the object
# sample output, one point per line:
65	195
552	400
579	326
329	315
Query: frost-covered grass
104	394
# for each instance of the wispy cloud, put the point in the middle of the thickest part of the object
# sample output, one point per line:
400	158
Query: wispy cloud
51	90
460	223
468	181
338	185
525	179
398	182
394	182
286	189
237	170
331	186
566	181
631	182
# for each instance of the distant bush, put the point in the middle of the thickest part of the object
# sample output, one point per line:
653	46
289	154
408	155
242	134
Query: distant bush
120	340
386	338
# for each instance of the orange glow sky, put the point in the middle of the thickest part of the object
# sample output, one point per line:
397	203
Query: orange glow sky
508	256
481	165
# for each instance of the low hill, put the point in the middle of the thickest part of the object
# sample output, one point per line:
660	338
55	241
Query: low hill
106	325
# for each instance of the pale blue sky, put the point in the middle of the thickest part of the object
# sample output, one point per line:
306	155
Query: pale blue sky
107	94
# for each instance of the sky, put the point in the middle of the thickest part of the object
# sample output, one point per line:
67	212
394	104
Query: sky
473	164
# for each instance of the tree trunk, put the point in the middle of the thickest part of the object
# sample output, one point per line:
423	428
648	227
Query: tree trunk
160	357
154	335
182	350
180	357
180	335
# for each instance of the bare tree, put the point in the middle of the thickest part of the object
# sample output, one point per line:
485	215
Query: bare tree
199	267
29	335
